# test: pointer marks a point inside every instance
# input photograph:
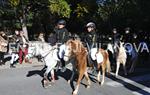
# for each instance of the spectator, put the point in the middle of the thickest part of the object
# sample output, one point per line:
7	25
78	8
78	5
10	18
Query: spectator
41	37
3	46
23	42
14	49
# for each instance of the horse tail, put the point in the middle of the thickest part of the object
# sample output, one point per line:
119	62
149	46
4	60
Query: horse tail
108	68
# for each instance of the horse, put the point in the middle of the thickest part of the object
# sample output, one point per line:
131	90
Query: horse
101	57
49	55
76	50
121	58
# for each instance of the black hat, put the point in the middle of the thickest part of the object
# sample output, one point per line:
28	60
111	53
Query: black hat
61	22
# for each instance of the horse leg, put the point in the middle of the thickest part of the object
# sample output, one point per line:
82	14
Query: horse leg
46	80
53	75
72	75
103	75
78	83
124	68
117	69
88	79
98	76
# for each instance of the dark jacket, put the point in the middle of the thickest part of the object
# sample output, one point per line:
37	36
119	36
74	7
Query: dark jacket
90	39
127	37
52	39
21	40
62	35
116	38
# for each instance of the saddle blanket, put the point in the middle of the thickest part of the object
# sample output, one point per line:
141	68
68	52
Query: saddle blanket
96	55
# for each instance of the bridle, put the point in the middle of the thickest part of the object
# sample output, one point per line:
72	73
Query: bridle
66	56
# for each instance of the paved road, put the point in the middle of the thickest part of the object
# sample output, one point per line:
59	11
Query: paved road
27	81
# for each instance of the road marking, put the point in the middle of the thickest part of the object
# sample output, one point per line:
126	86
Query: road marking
135	79
114	84
136	93
124	81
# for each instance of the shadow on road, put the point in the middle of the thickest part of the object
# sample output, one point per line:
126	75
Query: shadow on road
65	75
129	86
36	72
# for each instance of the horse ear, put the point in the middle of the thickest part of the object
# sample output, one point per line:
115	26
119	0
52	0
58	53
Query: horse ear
71	41
122	42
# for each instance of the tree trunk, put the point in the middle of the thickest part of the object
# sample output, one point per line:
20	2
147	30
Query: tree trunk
24	29
24	25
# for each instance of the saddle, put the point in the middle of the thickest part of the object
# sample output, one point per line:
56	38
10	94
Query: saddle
89	59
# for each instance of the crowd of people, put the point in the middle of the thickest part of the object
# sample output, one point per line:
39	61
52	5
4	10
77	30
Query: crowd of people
17	45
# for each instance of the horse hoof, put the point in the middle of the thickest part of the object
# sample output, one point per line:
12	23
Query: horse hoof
68	81
74	93
102	83
87	86
116	75
47	84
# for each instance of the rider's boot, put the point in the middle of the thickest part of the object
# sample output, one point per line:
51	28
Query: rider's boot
63	69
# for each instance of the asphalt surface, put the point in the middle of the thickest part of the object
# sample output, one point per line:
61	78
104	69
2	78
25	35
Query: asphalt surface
26	79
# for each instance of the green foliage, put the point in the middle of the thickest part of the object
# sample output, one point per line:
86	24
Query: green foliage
14	3
108	7
81	10
60	7
105	13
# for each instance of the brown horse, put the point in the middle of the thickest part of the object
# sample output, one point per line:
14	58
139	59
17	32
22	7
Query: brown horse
102	58
75	50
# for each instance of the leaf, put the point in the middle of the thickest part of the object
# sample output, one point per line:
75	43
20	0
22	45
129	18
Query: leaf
60	7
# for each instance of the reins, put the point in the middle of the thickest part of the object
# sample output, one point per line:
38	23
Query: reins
48	52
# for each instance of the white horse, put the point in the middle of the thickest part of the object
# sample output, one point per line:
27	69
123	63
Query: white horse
121	58
50	55
120	55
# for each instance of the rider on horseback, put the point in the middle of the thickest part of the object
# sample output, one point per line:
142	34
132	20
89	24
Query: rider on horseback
90	39
62	35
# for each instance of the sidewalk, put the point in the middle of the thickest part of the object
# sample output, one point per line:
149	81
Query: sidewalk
33	64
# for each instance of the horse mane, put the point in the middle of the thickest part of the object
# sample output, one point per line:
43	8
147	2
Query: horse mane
77	46
121	51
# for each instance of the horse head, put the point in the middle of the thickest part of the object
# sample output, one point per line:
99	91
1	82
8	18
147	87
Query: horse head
73	47
110	48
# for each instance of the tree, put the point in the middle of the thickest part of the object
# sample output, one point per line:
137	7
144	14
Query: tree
60	7
29	12
118	13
